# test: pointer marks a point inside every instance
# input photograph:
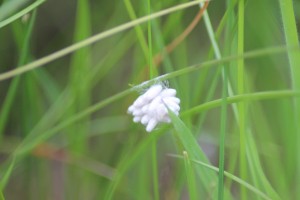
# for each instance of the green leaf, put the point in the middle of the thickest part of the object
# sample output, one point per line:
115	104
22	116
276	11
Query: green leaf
209	179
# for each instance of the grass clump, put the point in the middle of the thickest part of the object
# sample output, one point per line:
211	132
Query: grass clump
69	71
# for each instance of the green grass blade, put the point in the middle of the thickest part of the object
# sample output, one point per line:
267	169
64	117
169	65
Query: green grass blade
2	196
152	75
216	49
222	136
138	29
80	68
195	152
227	88
129	161
251	149
80	89
231	176
9	7
20	13
50	132
7	174
151	67
245	97
291	37
67	128
241	105
93	39
190	177
155	170
24	54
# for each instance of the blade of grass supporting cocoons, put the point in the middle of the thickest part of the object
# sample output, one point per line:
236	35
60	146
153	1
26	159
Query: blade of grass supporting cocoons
190	177
189	69
190	144
27	146
70	49
19	14
291	37
24	54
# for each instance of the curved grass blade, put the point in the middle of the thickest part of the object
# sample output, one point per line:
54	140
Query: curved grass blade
7	174
24	55
2	196
190	177
292	39
244	97
208	179
50	132
9	7
91	40
21	13
231	176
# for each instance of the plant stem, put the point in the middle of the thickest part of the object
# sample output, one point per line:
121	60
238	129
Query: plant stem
292	40
241	105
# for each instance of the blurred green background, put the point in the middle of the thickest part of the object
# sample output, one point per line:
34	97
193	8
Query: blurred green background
64	128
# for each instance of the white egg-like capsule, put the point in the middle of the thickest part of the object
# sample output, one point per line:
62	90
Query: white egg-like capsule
152	92
160	112
151	125
171	105
137	119
145	119
137	112
166	119
141	101
168	93
131	109
173	99
145	108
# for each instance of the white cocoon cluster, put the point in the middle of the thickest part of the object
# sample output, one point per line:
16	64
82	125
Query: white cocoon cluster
151	107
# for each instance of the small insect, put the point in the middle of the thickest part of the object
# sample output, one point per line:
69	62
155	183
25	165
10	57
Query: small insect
151	108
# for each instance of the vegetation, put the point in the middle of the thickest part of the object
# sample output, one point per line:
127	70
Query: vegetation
70	69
